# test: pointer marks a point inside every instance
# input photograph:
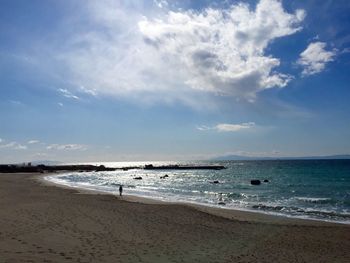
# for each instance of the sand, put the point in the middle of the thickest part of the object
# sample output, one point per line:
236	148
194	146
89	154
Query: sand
46	223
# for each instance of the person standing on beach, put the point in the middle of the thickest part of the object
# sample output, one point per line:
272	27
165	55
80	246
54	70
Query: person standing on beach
120	190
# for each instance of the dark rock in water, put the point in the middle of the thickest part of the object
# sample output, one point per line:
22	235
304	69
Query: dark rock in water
255	182
138	178
221	203
266	181
215	182
166	176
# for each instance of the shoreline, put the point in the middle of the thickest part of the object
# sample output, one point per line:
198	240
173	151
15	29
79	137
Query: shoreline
49	223
226	212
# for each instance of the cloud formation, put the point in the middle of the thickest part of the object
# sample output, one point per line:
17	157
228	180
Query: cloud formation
227	127
66	93
224	127
223	51
180	54
91	92
33	141
13	146
69	147
315	57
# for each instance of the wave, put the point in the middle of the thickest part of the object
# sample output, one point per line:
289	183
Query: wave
315	200
301	211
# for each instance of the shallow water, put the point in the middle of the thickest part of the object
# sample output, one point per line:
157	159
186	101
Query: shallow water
315	189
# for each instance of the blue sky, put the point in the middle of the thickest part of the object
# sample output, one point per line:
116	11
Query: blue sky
169	80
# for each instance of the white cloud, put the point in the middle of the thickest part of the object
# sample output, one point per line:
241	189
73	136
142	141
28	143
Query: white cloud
66	93
0	140
314	58
227	127
13	146
60	104
33	141
224	127
69	147
92	92
178	55
161	3
204	128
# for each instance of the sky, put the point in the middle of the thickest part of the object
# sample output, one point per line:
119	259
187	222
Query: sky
142	80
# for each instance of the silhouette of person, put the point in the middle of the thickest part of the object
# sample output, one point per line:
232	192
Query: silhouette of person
220	197
120	190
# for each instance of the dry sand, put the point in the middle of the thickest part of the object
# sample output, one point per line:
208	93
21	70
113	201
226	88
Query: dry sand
45	223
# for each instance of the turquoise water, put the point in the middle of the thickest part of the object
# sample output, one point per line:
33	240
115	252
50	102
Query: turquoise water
314	189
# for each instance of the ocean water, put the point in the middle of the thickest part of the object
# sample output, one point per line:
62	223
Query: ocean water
312	189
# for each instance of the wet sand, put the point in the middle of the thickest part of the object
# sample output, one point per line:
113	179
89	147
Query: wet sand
46	223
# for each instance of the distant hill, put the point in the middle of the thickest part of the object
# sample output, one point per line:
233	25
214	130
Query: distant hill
245	158
46	162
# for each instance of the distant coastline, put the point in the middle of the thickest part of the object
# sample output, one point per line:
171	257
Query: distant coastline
257	158
41	168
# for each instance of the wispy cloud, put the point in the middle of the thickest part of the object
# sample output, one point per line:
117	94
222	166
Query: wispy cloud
225	127
33	141
345	50
228	127
68	147
315	57
161	3
204	128
16	102
66	93
13	146
92	92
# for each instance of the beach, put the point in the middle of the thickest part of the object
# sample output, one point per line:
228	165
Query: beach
41	222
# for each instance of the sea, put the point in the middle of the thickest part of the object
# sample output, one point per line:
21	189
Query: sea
308	189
